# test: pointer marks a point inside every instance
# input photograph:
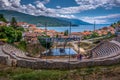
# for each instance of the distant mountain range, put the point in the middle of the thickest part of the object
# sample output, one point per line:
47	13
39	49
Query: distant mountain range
75	21
41	20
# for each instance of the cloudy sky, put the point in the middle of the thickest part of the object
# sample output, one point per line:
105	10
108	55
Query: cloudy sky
101	11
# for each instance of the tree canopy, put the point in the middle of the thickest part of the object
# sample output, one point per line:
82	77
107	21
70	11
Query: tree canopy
115	24
45	43
2	18
66	32
13	22
11	34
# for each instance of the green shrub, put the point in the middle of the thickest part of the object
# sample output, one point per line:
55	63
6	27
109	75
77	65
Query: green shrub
11	34
22	45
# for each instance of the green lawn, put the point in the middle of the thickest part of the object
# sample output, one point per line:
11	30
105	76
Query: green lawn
91	73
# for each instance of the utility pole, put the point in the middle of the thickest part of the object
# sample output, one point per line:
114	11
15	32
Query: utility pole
69	43
94	29
46	41
94	26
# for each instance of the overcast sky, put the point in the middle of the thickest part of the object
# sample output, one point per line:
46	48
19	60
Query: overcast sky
102	11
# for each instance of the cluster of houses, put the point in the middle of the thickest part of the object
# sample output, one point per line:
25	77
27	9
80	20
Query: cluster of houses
32	32
105	30
100	32
4	24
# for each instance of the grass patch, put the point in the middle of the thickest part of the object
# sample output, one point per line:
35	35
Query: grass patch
86	46
22	45
40	75
90	73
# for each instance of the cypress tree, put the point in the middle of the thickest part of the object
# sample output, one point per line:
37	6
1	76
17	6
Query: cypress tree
13	22
2	18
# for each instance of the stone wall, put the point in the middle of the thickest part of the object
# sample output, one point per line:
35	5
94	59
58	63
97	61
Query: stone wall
40	64
65	65
3	60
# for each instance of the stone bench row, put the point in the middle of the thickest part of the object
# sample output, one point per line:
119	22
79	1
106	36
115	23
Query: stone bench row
13	51
106	49
16	53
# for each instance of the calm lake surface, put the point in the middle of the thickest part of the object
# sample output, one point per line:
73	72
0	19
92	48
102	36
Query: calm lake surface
79	28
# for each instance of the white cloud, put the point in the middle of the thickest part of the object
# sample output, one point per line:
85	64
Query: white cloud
109	16
99	3
39	7
91	20
58	7
101	19
15	3
46	1
67	16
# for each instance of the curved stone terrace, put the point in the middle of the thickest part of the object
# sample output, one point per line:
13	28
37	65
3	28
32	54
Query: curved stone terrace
106	53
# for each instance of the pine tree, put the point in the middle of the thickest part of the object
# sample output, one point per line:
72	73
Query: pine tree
2	18
13	22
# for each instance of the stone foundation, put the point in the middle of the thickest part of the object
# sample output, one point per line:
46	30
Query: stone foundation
3	60
65	65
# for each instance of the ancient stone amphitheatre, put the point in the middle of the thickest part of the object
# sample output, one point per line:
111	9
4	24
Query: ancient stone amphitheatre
105	53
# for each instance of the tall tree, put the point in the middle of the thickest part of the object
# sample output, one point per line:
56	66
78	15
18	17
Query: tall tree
13	22
44	43
66	32
2	18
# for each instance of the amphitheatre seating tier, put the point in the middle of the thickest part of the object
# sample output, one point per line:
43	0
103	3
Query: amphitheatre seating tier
16	53
107	48
12	50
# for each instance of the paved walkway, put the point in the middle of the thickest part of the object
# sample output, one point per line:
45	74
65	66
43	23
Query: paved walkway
91	40
77	48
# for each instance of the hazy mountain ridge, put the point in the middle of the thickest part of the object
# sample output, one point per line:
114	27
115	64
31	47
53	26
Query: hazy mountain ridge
76	21
51	21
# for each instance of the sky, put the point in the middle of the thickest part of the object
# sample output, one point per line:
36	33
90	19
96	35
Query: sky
100	11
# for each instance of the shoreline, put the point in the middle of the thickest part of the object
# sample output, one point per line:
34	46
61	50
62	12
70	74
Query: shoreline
80	28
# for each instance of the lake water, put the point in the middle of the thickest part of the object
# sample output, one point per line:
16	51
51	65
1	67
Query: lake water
79	28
